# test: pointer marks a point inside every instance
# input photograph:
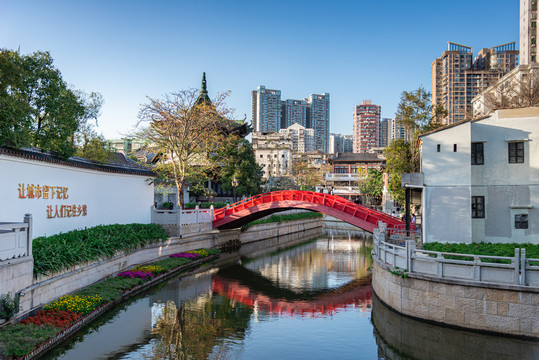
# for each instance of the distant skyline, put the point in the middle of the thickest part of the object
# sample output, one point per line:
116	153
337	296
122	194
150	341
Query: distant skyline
353	50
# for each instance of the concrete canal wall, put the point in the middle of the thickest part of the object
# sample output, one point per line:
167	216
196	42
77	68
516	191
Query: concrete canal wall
503	308
45	289
478	295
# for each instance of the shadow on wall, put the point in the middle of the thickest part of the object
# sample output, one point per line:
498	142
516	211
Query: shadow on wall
400	337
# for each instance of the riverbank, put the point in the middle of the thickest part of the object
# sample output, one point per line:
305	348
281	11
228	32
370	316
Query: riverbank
255	239
476	295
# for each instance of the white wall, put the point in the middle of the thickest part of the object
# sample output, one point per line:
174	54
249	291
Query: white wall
447	168
110	198
447	194
508	189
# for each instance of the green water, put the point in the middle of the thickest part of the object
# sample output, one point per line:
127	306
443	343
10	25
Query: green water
313	301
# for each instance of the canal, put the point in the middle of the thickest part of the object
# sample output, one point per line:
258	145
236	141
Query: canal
311	301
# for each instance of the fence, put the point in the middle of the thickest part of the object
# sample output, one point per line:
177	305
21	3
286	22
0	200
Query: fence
16	239
186	221
517	270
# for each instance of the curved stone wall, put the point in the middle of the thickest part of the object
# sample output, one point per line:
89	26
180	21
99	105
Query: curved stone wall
507	309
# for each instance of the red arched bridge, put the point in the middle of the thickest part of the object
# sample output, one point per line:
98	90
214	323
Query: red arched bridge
258	206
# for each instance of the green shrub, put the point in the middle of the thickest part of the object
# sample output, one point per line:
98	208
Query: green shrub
9	306
482	248
62	251
19	340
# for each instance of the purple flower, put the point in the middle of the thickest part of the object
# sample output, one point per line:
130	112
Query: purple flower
136	274
185	255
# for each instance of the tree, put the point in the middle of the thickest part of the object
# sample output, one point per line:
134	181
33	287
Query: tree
305	174
417	115
371	187
236	159
398	161
93	146
184	129
517	91
37	108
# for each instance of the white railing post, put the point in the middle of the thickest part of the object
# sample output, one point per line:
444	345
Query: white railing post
179	211
476	268
439	265
211	216
197	212
523	266
516	264
29	238
410	247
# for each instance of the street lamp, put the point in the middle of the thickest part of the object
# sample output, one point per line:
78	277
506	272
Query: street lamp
234	185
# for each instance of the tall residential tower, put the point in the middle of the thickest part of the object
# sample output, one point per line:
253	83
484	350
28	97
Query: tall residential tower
457	77
270	114
366	126
528	31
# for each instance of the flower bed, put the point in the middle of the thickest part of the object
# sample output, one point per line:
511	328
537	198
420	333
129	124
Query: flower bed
70	311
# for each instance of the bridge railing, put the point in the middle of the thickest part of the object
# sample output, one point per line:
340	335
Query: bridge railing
517	270
16	239
333	201
185	220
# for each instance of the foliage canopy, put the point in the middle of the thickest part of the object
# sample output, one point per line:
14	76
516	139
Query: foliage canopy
38	108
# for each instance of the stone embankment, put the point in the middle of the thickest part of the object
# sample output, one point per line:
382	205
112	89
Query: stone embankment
455	293
46	289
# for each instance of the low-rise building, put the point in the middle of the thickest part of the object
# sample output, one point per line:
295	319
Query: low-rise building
273	151
348	169
481	179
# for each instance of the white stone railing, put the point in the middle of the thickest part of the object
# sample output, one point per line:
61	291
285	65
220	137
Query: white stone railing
186	220
16	239
518	270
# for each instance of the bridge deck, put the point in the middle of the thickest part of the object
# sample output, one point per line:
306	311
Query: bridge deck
258	206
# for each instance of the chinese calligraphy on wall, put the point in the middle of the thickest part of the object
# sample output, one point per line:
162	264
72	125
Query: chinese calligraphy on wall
32	191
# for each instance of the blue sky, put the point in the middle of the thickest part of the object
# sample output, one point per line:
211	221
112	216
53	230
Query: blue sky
355	50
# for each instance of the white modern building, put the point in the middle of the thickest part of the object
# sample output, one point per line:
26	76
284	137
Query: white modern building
302	138
481	179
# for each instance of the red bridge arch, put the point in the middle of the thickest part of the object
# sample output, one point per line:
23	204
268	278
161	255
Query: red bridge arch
258	206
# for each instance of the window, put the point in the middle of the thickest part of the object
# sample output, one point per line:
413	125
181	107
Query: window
438	148
477	153
521	221
516	152
454	147
478	207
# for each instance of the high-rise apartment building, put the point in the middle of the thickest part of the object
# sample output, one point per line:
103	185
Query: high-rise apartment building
384	132
528	31
347	143
318	119
395	131
293	112
340	143
266	109
457	77
270	114
366	126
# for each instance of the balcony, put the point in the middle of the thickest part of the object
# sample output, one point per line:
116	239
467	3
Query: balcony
344	177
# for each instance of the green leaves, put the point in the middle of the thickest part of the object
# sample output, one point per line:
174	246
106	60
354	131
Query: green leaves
59	252
482	248
37	107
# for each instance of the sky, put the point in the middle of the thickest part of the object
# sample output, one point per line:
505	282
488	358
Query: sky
129	50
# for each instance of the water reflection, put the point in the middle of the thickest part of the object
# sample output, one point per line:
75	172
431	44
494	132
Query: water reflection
399	337
312	301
